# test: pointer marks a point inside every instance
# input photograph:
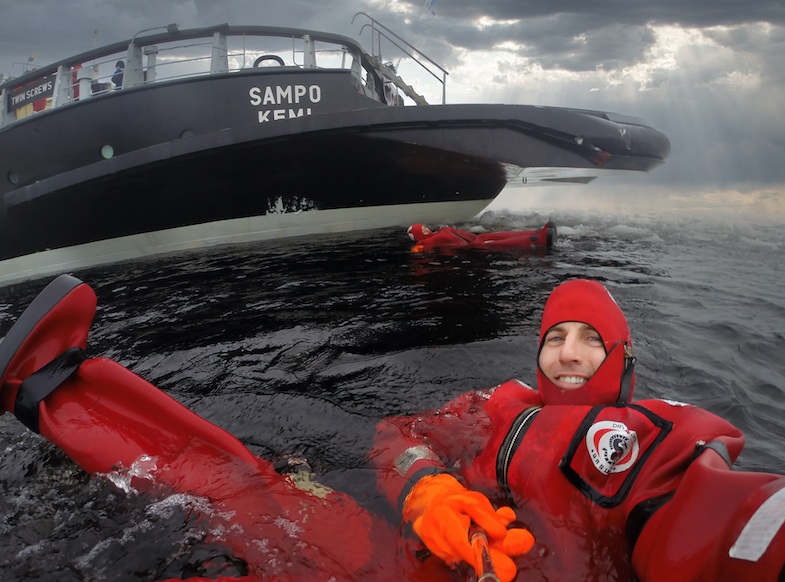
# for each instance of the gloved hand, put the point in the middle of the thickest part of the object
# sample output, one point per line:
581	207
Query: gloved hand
442	510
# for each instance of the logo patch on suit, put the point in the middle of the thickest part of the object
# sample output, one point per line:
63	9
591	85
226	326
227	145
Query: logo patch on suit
612	446
609	449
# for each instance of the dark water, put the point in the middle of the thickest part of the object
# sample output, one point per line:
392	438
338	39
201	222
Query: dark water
301	347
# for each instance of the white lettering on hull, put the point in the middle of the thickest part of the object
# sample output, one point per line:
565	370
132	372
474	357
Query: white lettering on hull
277	114
284	95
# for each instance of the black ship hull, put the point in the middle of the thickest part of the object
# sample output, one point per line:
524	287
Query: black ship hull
273	152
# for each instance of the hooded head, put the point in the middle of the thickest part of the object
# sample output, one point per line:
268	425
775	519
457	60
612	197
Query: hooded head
591	303
418	232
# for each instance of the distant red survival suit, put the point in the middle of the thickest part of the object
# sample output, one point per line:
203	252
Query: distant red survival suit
611	490
103	416
448	237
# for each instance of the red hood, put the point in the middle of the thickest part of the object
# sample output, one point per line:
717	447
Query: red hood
589	302
418	232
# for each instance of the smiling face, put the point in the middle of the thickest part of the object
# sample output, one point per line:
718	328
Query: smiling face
571	353
573	367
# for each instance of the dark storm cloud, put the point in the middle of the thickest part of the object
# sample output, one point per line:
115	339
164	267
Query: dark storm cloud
563	42
572	35
690	13
580	35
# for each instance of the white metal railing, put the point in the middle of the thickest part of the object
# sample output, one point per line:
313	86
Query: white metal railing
170	56
379	32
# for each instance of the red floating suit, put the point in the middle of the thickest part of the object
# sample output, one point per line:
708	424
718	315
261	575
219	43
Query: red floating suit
448	237
107	418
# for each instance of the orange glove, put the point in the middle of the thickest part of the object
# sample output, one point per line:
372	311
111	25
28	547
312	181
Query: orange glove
442	510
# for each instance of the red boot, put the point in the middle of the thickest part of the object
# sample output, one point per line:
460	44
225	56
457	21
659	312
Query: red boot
45	346
105	417
96	411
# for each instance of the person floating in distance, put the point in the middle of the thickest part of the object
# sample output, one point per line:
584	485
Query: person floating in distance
448	237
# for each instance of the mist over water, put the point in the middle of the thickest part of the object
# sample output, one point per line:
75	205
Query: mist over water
301	346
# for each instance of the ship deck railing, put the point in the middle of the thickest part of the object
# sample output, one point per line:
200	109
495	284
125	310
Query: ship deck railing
173	55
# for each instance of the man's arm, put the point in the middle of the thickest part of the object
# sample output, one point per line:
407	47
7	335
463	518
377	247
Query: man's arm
695	517
407	448
415	457
720	524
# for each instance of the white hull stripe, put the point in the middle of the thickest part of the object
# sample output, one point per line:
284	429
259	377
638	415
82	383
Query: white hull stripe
234	231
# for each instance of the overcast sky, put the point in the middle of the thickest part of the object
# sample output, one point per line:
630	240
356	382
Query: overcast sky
710	74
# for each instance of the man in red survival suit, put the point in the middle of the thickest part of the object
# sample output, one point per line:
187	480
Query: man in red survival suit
611	489
105	418
448	237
